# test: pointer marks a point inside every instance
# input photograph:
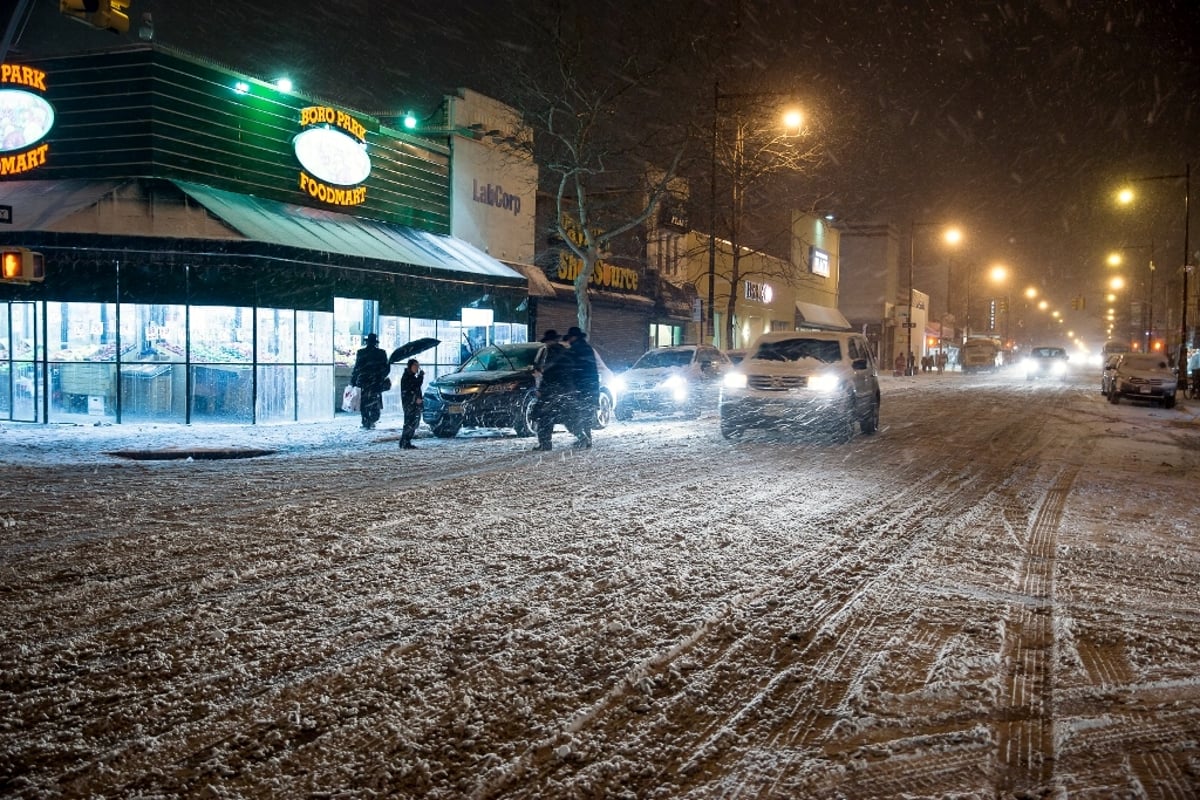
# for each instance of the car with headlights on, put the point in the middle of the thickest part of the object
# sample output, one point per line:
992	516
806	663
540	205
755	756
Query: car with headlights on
668	380
1143	376
1045	362
496	388
803	380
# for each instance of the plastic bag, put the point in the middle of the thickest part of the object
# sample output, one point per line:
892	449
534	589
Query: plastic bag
351	398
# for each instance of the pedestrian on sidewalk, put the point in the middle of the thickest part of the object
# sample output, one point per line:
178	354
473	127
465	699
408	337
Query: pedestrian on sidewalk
552	368
370	372
410	398
586	380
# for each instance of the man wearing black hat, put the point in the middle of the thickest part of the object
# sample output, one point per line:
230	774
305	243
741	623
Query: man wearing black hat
553	368
370	372
585	379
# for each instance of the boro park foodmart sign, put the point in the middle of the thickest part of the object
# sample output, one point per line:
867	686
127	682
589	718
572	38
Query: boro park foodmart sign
25	119
332	148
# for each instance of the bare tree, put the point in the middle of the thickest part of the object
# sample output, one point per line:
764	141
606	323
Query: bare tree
604	103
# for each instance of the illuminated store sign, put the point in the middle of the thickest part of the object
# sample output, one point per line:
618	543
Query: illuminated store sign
818	260
604	276
759	292
332	148
25	119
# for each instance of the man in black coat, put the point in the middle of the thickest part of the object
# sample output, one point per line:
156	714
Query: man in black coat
412	401
371	369
553	367
586	384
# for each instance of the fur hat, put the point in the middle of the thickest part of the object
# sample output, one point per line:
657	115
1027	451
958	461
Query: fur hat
550	335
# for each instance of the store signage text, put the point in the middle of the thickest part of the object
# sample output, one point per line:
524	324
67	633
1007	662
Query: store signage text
25	119
332	149
759	292
494	195
819	262
604	276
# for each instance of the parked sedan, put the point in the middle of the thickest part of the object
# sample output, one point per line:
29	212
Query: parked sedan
496	388
667	380
1143	376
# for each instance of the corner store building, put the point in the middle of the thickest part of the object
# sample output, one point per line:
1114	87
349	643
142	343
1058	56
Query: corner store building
216	248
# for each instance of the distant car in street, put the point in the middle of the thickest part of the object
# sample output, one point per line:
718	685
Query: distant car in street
1143	376
667	380
496	388
1046	362
802	380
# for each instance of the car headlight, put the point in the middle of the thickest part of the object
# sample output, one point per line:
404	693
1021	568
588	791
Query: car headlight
734	379
618	384
826	382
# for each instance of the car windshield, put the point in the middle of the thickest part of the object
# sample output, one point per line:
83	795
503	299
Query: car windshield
663	358
1148	363
496	359
826	350
1049	352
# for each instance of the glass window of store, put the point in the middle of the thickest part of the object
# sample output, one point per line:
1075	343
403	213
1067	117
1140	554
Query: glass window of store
314	373
152	367
20	370
81	350
276	353
222	354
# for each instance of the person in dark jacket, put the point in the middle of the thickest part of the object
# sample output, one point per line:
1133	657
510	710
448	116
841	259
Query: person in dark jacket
553	368
412	401
586	385
371	369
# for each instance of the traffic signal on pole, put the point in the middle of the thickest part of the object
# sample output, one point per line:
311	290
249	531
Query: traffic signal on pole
107	15
21	265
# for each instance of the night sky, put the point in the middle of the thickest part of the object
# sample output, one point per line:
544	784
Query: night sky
1014	119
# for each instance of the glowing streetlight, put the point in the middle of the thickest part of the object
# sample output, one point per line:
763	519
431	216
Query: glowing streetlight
1117	284
952	236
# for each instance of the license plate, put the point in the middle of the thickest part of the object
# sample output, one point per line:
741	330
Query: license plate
455	409
1144	390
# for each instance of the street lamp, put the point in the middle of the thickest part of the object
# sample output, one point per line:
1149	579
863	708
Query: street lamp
792	119
1125	197
952	237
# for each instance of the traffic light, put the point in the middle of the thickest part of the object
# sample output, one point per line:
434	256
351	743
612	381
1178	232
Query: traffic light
107	15
21	265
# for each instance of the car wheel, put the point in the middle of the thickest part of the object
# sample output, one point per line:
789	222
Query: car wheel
525	424
843	425
1169	401
604	412
446	428
870	423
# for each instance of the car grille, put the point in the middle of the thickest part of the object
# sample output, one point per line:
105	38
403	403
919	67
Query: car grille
1146	381
457	393
776	383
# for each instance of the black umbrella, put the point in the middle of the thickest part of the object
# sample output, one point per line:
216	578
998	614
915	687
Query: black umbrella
407	351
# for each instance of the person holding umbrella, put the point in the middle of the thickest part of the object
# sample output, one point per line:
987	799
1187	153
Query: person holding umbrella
411	400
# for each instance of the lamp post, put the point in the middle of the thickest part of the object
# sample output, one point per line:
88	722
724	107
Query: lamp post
792	119
953	236
1125	196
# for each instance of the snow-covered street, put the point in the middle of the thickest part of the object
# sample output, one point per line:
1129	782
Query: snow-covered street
995	596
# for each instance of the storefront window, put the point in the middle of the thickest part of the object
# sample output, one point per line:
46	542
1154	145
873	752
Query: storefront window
81	357
222	352
276	336
314	337
315	399
19	345
153	375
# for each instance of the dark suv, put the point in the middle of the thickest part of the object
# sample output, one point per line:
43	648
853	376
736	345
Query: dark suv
494	388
